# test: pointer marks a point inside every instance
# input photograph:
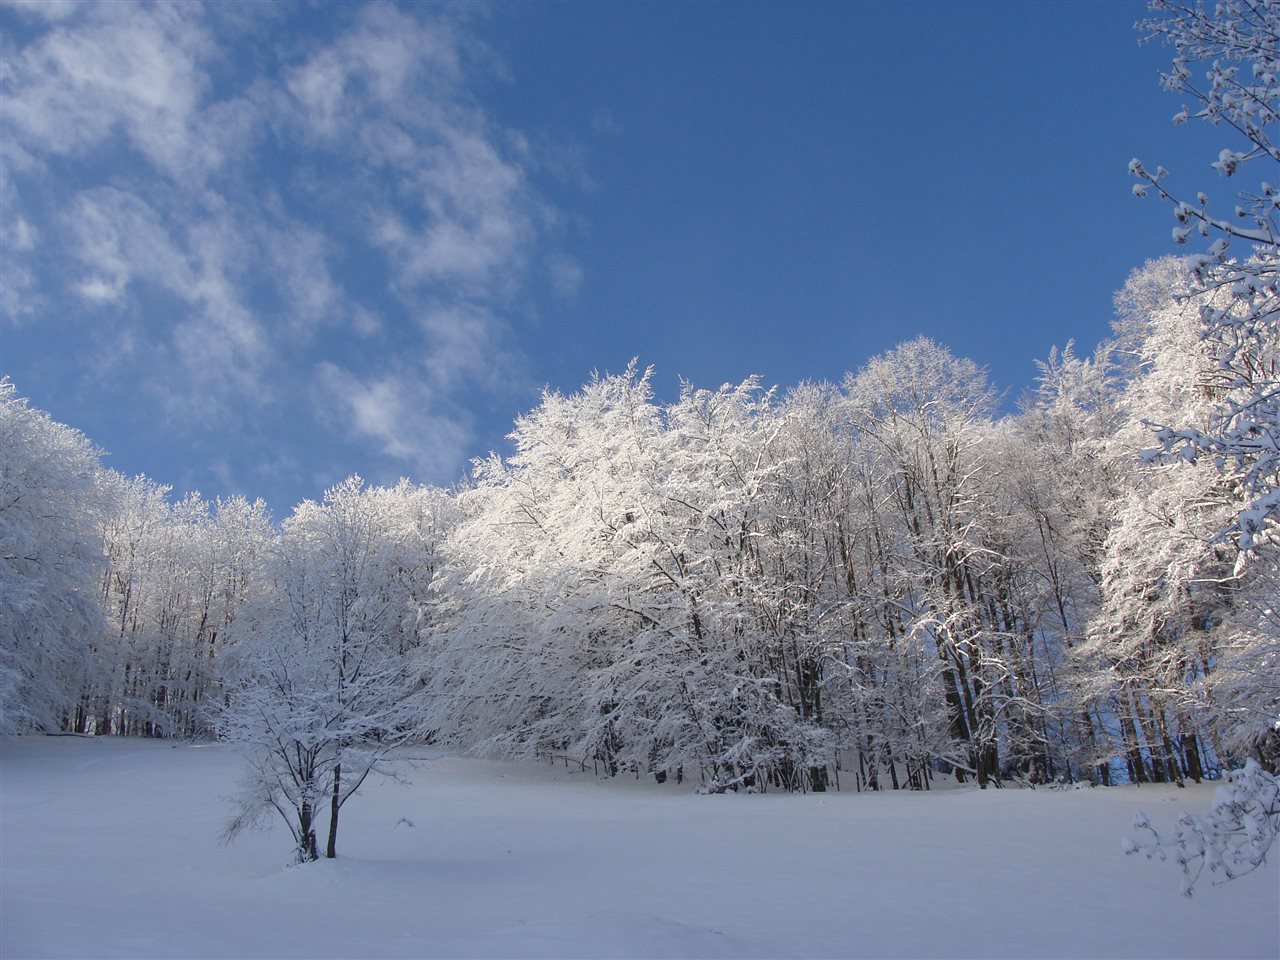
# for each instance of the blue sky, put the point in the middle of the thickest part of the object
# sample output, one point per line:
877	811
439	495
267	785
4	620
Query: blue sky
253	248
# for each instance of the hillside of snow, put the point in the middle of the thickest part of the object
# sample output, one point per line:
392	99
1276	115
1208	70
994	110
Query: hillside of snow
110	848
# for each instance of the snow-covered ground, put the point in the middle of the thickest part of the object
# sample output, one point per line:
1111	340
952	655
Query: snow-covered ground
110	849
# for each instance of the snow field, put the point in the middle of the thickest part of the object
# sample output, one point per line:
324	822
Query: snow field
109	848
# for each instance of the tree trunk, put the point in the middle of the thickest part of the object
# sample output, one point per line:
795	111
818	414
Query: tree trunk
818	779
332	850
306	835
1191	751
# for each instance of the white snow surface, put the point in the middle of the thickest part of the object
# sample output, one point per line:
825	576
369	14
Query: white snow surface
110	848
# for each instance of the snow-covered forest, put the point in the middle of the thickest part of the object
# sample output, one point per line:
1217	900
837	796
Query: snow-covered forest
873	581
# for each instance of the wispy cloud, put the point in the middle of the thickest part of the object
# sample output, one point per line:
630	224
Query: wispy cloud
110	70
465	342
408	421
251	211
118	237
565	273
442	194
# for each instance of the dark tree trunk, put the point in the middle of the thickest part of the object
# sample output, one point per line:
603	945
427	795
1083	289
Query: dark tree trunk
332	850
818	779
1191	750
306	835
1133	751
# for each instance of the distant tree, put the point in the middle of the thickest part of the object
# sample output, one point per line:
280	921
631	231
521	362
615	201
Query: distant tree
1064	472
1238	298
50	558
922	417
175	575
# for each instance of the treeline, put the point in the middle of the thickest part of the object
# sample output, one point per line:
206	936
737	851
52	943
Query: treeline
875	581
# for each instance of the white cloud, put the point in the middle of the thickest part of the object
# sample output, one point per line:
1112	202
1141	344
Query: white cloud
566	275
220	348
24	236
410	422
299	257
459	210
18	238
44	9
222	338
379	411
217	195
365	323
118	237
99	289
477	223
464	344
605	123
119	67
376	64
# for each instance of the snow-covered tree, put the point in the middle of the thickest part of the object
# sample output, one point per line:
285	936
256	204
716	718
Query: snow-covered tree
1231	839
321	677
175	575
50	562
1239	43
617	598
1180	644
1230	387
1238	297
1062	473
921	416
